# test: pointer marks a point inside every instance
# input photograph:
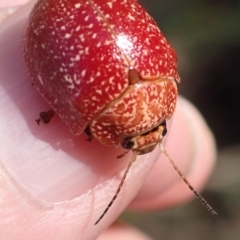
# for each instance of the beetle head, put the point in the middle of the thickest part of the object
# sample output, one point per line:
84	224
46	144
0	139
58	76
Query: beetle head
146	142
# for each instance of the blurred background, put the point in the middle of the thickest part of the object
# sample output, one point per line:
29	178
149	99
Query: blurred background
206	37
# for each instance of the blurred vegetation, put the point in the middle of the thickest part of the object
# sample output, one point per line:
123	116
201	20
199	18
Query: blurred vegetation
206	36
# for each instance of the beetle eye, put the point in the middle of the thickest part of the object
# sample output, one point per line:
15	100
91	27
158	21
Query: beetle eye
164	124
127	143
164	132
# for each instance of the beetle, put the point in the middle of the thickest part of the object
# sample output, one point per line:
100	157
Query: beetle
105	69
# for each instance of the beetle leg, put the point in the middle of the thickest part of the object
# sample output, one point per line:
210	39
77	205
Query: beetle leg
45	117
88	133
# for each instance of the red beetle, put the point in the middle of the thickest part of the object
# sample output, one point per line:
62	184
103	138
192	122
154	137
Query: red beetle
105	68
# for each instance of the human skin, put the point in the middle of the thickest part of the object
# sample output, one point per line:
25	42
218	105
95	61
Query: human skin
55	185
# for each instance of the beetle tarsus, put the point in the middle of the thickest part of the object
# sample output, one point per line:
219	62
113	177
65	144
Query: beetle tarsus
38	121
45	117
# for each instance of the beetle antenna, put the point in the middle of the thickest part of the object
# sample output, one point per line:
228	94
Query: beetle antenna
198	195
134	156
123	154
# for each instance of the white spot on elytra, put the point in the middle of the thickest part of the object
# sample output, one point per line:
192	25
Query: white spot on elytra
91	79
87	50
63	27
131	17
68	79
90	25
67	35
98	18
83	73
109	4
86	18
77	5
147	41
111	79
106	124
135	39
40	79
79	46
77	58
99	92
145	52
108	42
82	37
76	80
98	74
119	86
107	89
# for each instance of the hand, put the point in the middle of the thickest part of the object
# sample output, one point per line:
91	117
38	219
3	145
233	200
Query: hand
55	185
